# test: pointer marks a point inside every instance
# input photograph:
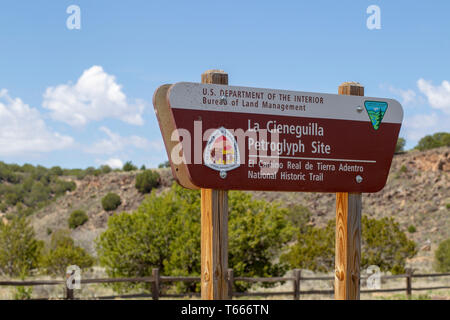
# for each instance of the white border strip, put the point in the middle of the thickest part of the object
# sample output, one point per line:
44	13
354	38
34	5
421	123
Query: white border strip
187	95
306	158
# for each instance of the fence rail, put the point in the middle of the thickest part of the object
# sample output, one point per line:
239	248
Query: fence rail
296	280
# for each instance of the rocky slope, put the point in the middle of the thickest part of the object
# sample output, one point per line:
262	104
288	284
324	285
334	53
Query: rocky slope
417	193
87	197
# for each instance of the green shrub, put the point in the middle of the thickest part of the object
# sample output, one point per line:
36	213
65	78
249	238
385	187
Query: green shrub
20	251
164	233
31	187
383	244
313	250
105	169
442	257
12	199
299	216
7	174
411	229
147	180
60	187
258	231
23	293
111	201
400	146
439	139
62	253
23	211
447	205
39	193
28	168
403	169
77	218
56	171
129	166
165	164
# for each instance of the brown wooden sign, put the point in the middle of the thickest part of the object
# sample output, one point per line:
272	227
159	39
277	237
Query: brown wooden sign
228	137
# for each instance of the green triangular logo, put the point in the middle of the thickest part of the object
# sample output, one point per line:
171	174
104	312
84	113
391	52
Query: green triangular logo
376	111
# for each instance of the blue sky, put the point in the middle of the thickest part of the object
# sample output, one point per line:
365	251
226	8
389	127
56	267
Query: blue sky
79	98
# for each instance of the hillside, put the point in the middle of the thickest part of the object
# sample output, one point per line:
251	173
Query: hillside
417	193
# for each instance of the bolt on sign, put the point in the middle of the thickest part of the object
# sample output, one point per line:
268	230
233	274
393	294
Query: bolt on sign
229	137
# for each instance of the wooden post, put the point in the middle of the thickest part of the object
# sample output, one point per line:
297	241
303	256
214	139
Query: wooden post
408	283
230	283
214	227
69	291
155	284
297	276
348	230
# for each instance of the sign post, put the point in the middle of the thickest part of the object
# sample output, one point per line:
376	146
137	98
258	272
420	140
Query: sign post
220	137
348	230
214	227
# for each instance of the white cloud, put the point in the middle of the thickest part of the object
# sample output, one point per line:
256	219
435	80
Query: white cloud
95	96
438	96
114	163
114	143
407	96
23	131
431	112
417	126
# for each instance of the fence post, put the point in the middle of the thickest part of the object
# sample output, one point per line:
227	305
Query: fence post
155	284
297	277
230	283
69	291
408	283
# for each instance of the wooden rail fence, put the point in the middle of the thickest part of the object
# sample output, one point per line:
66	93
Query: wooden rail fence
156	280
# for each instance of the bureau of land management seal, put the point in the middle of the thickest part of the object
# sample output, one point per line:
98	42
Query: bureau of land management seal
222	152
376	111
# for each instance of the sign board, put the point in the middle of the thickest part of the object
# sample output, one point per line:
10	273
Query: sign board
241	138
